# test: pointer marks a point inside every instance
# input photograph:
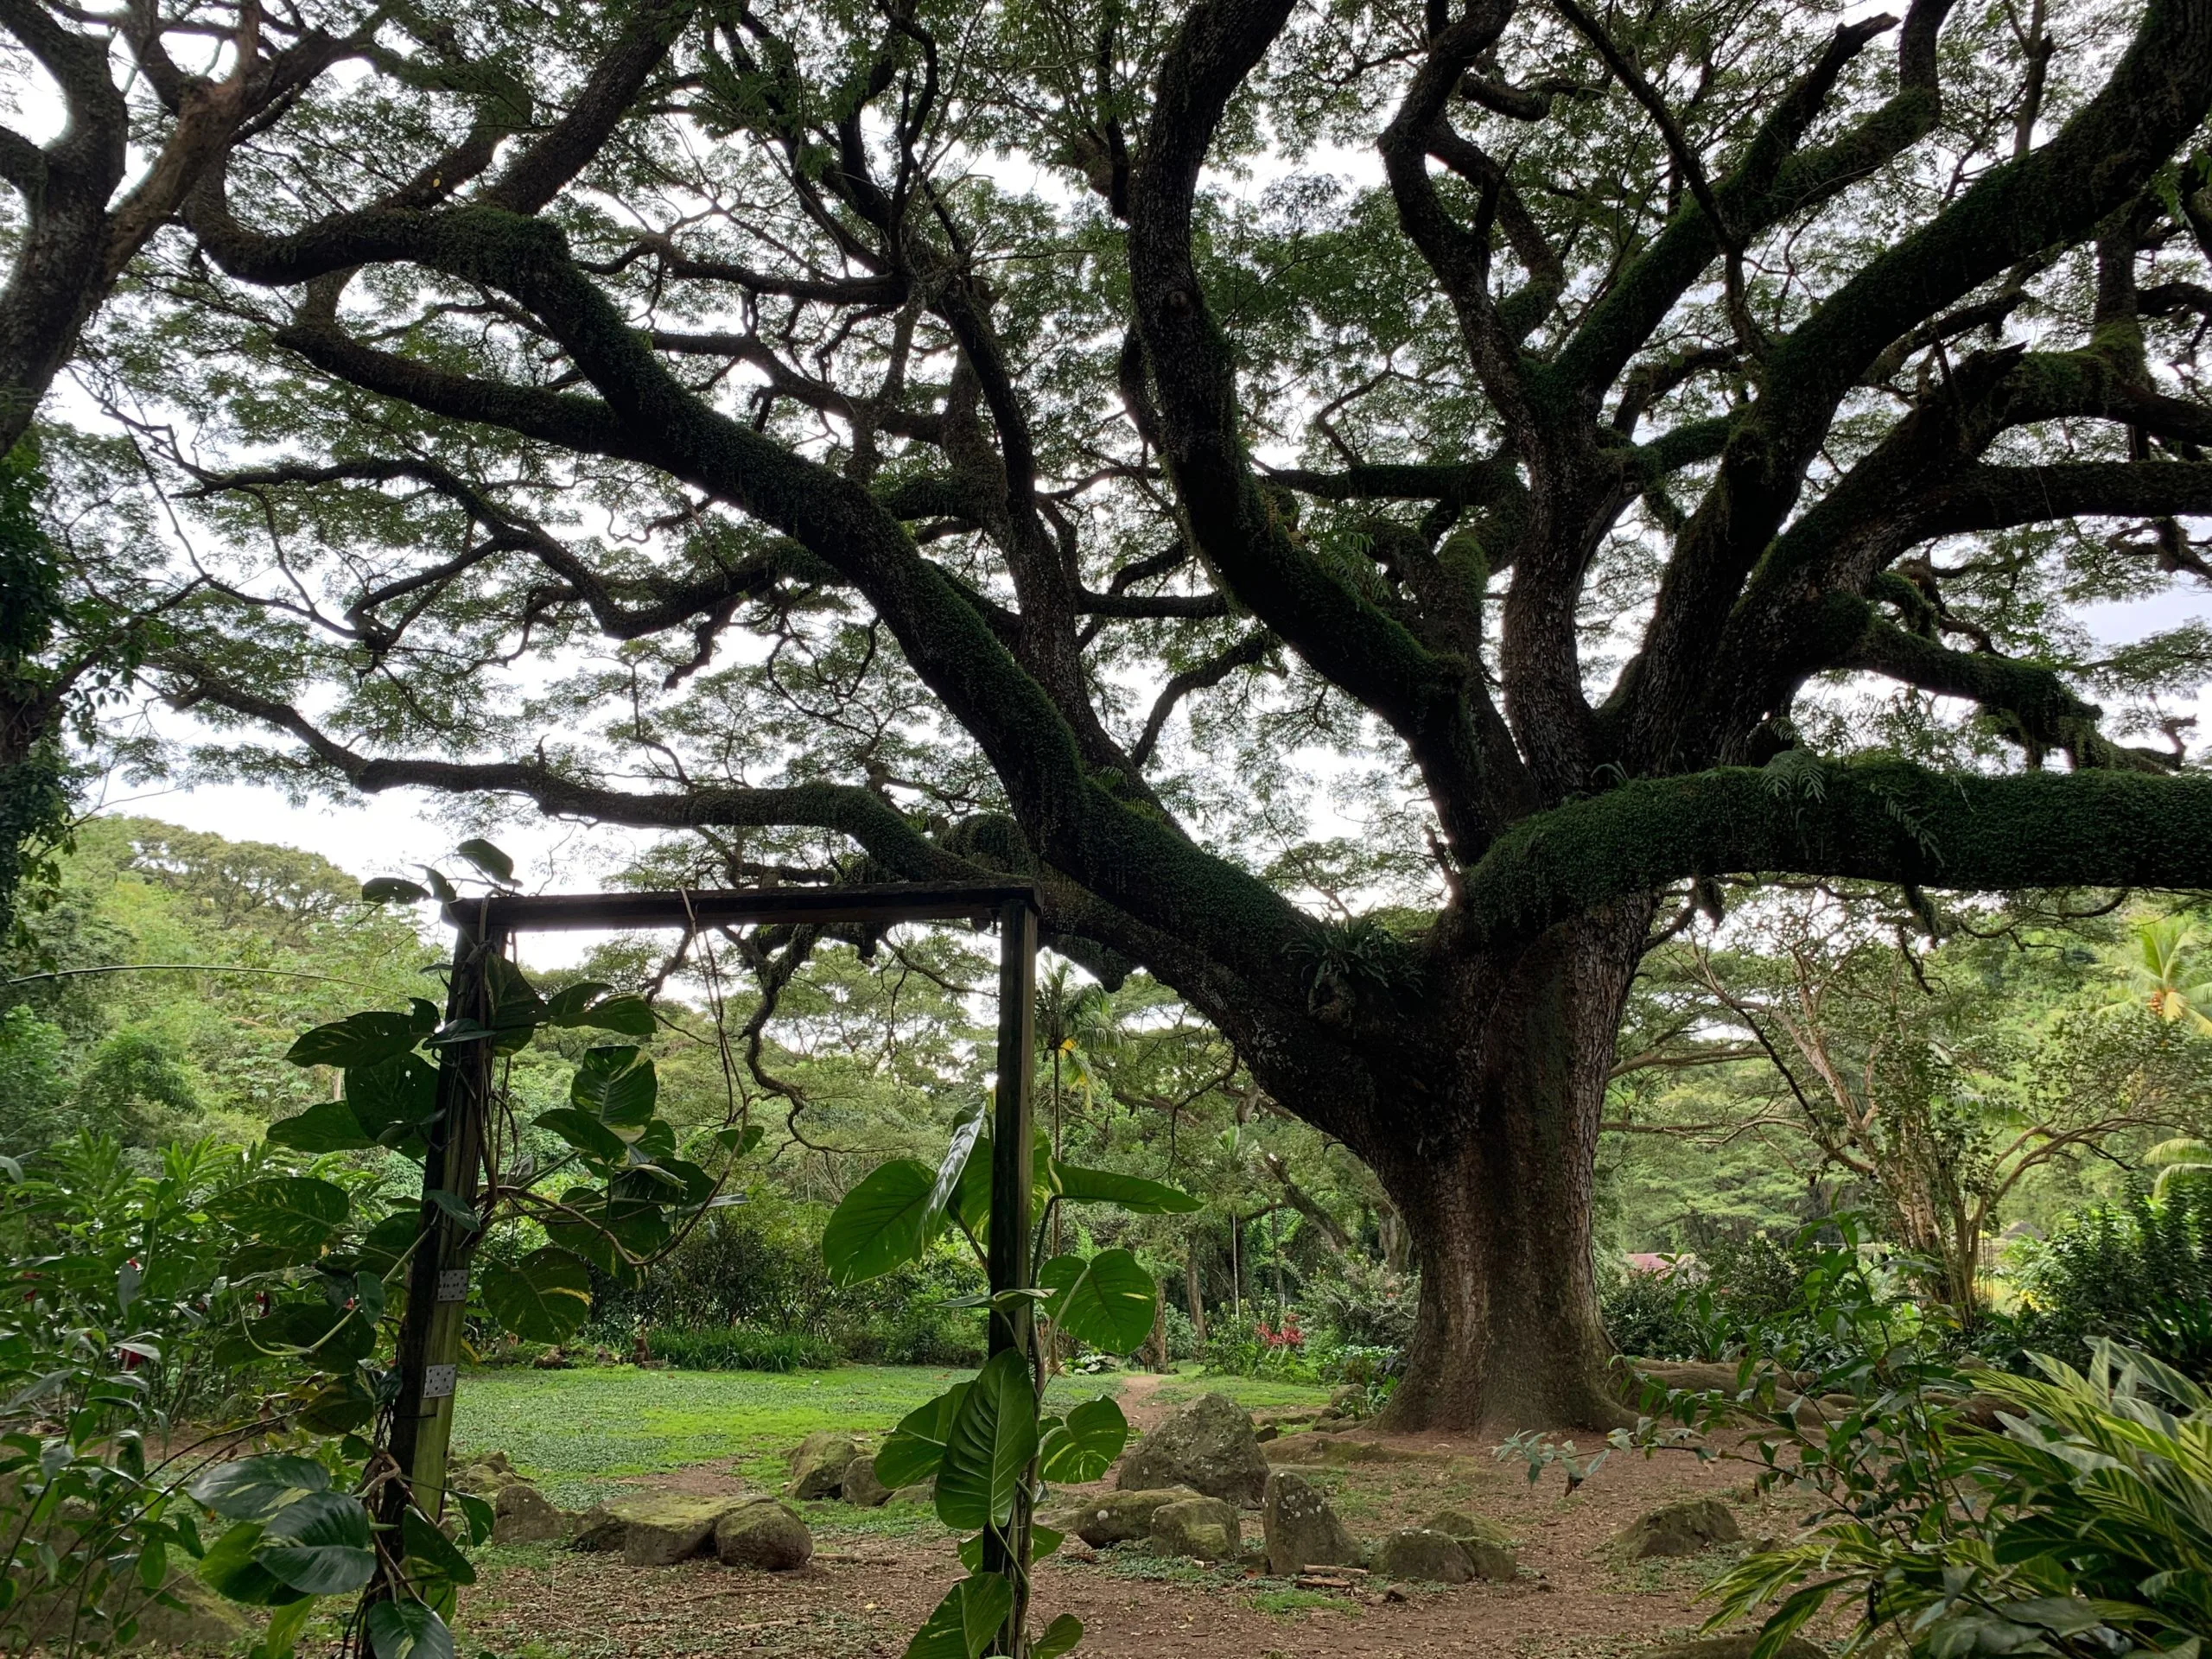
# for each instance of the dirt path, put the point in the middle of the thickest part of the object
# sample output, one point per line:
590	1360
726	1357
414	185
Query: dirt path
866	1592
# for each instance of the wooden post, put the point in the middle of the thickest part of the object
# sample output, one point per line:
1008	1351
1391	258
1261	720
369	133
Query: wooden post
429	1350
1011	1324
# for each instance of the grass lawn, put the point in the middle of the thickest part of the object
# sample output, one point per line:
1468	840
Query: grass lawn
579	1433
1252	1393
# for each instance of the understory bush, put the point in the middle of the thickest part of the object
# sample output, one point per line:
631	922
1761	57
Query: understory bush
2138	1273
1364	1303
740	1348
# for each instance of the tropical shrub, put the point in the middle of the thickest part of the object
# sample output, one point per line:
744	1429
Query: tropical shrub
740	1348
1646	1315
1364	1303
2137	1272
2082	1526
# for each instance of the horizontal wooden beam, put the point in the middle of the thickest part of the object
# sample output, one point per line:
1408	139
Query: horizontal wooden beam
896	901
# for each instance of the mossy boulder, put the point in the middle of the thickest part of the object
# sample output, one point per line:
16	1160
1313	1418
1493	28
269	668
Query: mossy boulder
1208	1446
763	1533
1420	1553
523	1515
922	1491
818	1464
661	1528
1334	1450
1302	1531
1488	1546
1682	1529
860	1485
1119	1517
1204	1529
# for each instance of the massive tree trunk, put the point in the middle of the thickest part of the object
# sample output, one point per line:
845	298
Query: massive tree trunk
1494	1187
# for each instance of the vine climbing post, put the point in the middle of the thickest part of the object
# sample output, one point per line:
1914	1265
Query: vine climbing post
429	1351
1011	1319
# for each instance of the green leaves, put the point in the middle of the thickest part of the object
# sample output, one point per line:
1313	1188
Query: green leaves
986	1452
971	1613
1082	1448
319	1545
882	1223
289	1217
408	1629
583	1131
913	1451
543	1298
1062	1634
360	1038
392	889
328	1125
618	1086
253	1489
1106	1300
488	858
1133	1193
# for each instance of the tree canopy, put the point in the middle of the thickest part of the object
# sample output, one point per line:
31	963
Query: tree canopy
918	440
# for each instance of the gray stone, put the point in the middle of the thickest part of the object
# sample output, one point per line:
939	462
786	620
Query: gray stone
1731	1647
860	1485
819	1465
922	1491
1208	1446
1320	1447
484	1475
664	1528
1201	1528
523	1515
1417	1553
1682	1529
1302	1530
1120	1517
597	1529
1488	1546
763	1533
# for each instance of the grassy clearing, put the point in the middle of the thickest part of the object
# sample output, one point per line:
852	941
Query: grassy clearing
581	1435
1252	1393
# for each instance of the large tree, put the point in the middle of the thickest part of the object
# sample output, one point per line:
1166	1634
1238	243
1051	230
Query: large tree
872	437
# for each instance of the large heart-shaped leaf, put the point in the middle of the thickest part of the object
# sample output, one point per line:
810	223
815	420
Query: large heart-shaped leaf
967	1131
488	858
1106	1300
326	1126
585	1132
1083	1445
912	1451
972	1612
1132	1192
542	1298
408	1629
1062	1634
320	1544
617	1085
358	1039
399	1094
392	889
253	1489
881	1224
987	1452
335	1337
431	1555
629	1016
233	1572
295	1213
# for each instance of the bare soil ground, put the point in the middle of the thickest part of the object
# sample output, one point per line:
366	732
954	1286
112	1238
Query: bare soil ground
877	1573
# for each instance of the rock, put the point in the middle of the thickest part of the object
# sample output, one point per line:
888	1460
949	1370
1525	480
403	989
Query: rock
1731	1647
1418	1553
1332	1449
763	1533
1488	1546
484	1476
1203	1528
523	1515
819	1465
1302	1530
922	1491
1120	1517
598	1529
860	1485
1208	1446
1681	1529
664	1528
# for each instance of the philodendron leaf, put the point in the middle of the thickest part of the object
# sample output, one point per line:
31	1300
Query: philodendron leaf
967	1130
358	1039
1132	1192
326	1126
292	1212
986	1452
253	1489
488	858
881	1224
585	1132
320	1544
393	889
545	1297
1062	1634
912	1451
627	1016
1084	1446
1106	1300
408	1629
617	1086
972	1612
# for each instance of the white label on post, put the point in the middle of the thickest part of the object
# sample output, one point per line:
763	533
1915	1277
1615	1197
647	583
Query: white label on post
438	1380
452	1285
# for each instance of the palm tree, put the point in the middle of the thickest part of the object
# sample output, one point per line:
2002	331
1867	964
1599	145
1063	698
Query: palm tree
1076	1024
2183	1162
2167	976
